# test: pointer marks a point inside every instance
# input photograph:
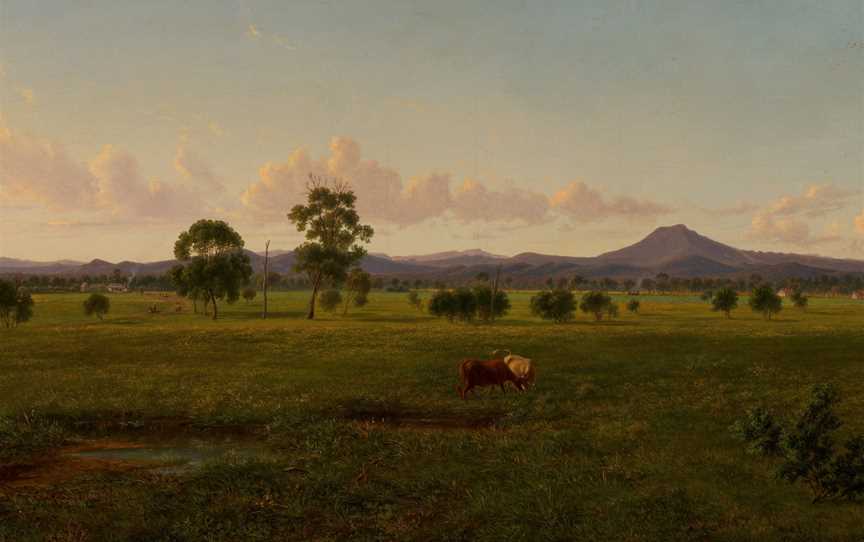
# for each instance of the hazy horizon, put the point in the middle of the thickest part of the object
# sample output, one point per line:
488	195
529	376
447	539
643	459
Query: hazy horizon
571	128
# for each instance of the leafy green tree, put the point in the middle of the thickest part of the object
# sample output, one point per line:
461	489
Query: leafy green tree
556	305
414	300
16	304
330	299
633	306
807	450
459	304
483	293
725	301
249	293
333	231
800	300
215	264
707	296
596	303
612	311
97	304
765	300
443	305
357	287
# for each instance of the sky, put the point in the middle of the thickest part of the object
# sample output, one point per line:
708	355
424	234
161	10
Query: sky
564	127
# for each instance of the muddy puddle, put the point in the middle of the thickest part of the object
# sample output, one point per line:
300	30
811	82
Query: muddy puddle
107	455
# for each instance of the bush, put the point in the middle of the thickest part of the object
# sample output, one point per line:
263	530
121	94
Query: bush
414	300
596	303
330	299
633	306
765	300
249	294
483	293
459	304
612	311
97	304
557	305
799	299
724	301
806	450
16	305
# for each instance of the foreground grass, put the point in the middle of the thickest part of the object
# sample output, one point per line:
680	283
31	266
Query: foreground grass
625	437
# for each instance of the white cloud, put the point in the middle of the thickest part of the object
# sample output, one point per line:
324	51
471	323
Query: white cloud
582	203
381	193
196	171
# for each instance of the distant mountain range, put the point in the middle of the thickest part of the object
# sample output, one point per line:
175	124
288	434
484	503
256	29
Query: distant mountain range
675	250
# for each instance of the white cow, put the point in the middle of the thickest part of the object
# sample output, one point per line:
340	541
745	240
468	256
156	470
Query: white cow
521	366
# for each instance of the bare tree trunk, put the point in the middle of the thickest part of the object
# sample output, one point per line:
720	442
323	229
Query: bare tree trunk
215	310
494	294
266	274
315	284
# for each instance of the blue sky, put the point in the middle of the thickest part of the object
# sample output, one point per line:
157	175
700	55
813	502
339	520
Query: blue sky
567	127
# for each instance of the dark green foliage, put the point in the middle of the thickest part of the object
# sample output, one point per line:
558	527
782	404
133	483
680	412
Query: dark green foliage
807	450
765	300
414	300
459	304
333	231
596	303
249	293
556	305
760	431
612	311
483	293
633	306
357	287
330	299
216	266
799	299
725	300
97	304
708	296
16	305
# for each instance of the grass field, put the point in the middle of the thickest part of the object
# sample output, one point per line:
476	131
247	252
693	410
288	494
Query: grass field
362	435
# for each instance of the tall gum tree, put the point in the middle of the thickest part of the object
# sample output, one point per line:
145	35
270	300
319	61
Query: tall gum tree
333	233
215	264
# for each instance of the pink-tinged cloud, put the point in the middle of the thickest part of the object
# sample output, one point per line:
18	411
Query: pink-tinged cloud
474	202
39	171
196	171
382	195
816	200
110	186
859	222
582	203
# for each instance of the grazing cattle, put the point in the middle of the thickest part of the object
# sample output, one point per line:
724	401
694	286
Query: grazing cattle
484	372
521	366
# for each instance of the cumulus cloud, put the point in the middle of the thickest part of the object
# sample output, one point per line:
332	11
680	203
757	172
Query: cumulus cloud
195	170
859	222
381	192
783	221
816	200
473	201
40	171
582	203
125	193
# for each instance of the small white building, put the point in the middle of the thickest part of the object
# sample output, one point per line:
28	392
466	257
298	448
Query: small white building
117	287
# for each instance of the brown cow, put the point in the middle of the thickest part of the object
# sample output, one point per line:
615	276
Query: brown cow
484	372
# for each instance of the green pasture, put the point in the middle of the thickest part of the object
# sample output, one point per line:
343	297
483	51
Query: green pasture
624	438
